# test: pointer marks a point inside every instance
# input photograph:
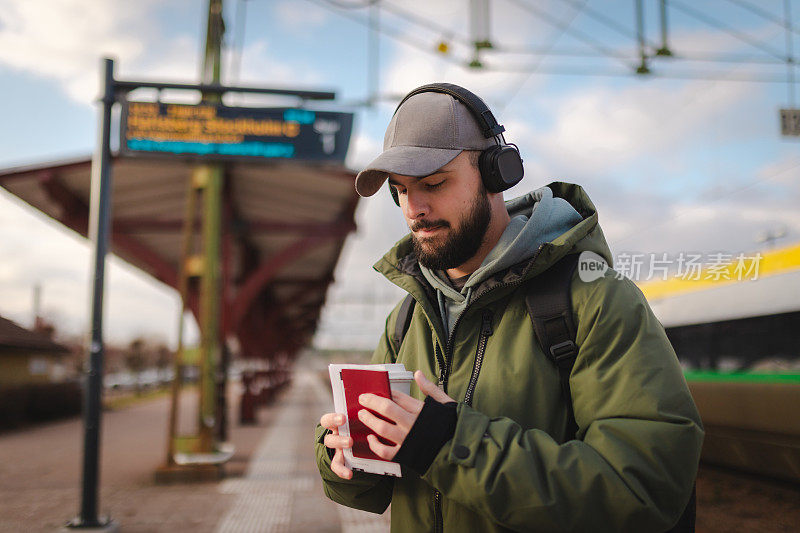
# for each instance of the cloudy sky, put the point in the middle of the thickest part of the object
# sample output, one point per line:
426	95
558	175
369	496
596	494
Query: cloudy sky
689	158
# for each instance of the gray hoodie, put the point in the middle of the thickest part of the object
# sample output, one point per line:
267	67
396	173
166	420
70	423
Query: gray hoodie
536	218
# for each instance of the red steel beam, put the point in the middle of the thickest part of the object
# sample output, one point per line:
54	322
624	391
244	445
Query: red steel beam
37	171
295	335
261	277
150	224
291	280
300	292
75	215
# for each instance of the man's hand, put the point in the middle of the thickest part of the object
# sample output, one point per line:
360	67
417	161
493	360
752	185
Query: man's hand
402	412
332	421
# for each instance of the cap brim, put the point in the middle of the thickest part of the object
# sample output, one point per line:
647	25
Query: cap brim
414	161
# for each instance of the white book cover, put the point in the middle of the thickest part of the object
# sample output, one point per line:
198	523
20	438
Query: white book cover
399	380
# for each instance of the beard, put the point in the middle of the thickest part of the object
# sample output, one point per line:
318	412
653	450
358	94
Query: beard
459	245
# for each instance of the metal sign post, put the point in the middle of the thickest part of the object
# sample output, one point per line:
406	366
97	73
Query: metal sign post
99	231
99	218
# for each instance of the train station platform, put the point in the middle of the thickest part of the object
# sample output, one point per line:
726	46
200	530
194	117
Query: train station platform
271	483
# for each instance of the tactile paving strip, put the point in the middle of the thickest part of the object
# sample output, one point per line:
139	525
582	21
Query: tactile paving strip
266	494
353	520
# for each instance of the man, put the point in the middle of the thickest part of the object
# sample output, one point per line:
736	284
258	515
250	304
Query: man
489	448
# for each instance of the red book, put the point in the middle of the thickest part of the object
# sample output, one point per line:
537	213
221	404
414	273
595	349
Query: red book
356	383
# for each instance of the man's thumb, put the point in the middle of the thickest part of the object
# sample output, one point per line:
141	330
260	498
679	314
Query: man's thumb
430	389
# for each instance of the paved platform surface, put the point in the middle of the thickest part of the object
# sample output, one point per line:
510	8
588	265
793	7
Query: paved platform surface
272	483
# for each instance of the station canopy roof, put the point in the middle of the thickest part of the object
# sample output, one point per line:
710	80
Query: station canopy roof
286	223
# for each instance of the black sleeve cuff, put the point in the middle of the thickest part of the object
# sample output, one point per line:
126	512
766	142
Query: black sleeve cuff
434	426
330	451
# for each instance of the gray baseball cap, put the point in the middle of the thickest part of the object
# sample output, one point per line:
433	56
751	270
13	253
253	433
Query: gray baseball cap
428	131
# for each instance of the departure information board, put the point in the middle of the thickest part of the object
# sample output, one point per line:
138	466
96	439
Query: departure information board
221	132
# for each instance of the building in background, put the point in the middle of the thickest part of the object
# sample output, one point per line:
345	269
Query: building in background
28	356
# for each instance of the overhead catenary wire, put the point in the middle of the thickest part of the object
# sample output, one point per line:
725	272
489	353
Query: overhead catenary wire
606	21
765	14
424	23
373	51
604	72
385	30
341	4
598	49
524	79
579	35
237	46
787	12
627	55
715	23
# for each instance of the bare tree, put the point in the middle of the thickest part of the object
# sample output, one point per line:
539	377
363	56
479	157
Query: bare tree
135	361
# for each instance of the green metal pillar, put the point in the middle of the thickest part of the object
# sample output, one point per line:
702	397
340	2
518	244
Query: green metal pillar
210	294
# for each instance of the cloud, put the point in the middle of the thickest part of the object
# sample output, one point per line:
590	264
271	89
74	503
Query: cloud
359	301
295	16
258	63
511	28
37	250
413	68
600	128
730	219
363	149
63	40
715	42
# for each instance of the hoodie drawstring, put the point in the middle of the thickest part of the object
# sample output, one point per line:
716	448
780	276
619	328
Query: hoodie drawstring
440	298
442	311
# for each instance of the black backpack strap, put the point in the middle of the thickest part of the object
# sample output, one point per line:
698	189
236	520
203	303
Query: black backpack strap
403	321
550	308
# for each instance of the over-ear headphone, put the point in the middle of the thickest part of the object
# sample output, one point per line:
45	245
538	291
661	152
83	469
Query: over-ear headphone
500	165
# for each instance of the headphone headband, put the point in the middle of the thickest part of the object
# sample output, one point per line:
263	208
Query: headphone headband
471	101
500	166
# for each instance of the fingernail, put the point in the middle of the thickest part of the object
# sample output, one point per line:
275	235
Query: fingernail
361	398
340	420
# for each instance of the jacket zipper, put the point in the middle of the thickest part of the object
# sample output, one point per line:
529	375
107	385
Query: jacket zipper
445	375
443	370
438	525
486	331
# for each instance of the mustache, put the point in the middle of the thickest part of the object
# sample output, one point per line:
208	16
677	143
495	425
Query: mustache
428	224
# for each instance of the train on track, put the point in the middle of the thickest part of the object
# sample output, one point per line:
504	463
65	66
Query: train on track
739	342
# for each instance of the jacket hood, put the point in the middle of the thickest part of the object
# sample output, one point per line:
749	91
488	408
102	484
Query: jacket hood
546	224
536	218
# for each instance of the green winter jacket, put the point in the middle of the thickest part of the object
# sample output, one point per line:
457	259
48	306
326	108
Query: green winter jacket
509	465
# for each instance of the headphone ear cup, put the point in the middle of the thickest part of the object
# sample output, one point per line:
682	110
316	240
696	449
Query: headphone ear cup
489	171
501	168
485	168
393	192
